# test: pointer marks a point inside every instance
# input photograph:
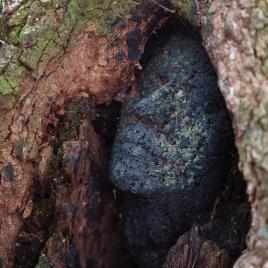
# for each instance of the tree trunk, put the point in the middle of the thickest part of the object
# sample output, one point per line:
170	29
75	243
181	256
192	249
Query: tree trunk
65	66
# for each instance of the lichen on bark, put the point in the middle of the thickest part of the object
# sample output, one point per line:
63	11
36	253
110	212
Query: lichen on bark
37	31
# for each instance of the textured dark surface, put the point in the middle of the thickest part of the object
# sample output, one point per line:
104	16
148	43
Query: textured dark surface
170	155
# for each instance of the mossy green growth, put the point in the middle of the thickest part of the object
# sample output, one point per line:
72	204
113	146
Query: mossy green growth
13	34
19	18
36	36
104	13
46	1
7	53
39	30
5	86
10	72
13	75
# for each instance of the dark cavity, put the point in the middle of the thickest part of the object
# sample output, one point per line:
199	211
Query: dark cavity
174	155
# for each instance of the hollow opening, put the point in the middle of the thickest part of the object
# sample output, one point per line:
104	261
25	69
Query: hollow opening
215	200
77	209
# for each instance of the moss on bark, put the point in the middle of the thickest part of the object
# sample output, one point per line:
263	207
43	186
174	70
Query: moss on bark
37	31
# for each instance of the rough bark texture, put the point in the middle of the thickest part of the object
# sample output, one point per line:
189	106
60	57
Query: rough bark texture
235	36
191	251
91	54
54	52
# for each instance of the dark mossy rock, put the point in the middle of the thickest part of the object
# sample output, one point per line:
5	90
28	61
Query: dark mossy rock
170	155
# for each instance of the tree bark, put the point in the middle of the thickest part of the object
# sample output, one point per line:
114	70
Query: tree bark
60	60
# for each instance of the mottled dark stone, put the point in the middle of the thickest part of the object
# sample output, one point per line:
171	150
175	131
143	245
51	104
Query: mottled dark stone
170	155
